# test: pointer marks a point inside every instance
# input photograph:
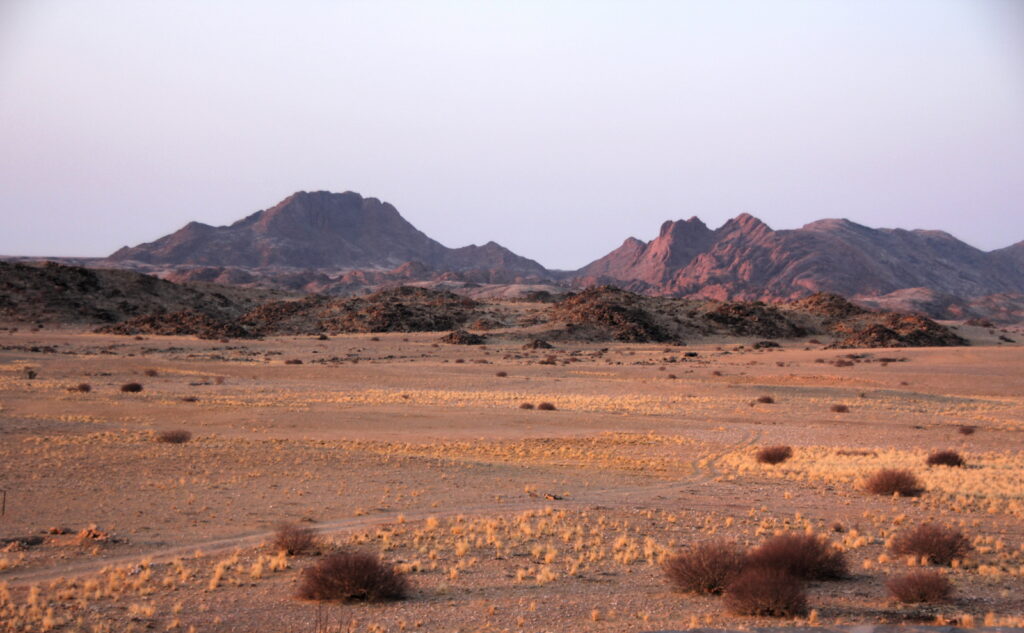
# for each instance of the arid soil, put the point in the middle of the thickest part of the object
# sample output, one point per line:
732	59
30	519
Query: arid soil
504	519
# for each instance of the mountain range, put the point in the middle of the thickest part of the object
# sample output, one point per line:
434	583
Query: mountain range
341	241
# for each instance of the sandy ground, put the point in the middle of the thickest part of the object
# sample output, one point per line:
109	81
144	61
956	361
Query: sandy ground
505	519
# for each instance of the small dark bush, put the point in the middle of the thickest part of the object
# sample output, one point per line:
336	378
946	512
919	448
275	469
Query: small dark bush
803	556
501	374
938	543
31	374
293	539
945	458
81	388
766	592
920	586
716	373
839	408
324	337
152	373
293	361
131	387
526	405
891	481
706	567
766	399
546	406
966	429
350	576
774	454
671	376
174	437
190	399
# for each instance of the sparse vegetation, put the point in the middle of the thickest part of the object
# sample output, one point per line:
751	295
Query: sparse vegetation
179	436
936	543
502	374
292	538
774	454
966	429
546	406
152	373
352	576
526	405
839	408
766	400
945	458
81	388
893	481
920	586
766	592
705	567
131	387
805	556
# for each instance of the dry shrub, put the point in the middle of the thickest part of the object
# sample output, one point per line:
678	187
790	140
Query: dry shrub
920	586
839	408
350	576
190	399
945	458
804	556
546	406
966	429
293	539
293	361
893	481
526	405
152	373
774	454
938	543
501	374
706	567
179	436
766	592
716	373
81	388
131	387
766	399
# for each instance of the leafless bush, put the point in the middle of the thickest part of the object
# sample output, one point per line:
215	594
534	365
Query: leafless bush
892	481
131	387
774	454
179	436
293	539
804	556
351	576
766	592
945	458
938	543
706	567
920	586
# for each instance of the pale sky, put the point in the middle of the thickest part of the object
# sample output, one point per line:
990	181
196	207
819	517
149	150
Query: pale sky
555	128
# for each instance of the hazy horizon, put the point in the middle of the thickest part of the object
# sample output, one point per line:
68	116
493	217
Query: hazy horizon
555	129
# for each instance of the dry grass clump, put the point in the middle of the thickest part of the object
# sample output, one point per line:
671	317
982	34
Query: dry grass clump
526	405
937	543
774	454
351	576
546	406
803	556
839	408
893	481
766	592
179	436
706	567
293	539
131	387
920	586
945	458
766	399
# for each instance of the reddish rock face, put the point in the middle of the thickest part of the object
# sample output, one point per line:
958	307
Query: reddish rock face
746	260
321	230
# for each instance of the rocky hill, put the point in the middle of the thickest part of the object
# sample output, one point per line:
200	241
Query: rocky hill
53	292
321	230
745	259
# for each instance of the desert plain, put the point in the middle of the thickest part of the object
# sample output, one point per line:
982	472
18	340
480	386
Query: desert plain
502	518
